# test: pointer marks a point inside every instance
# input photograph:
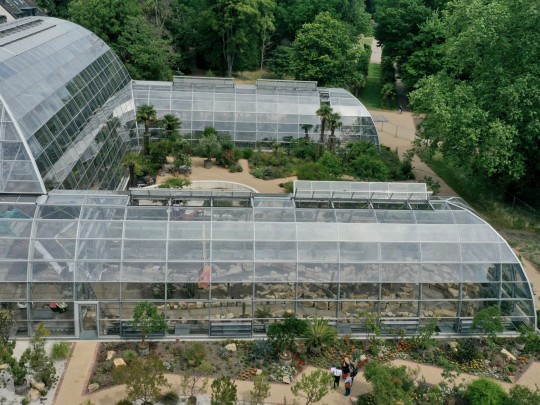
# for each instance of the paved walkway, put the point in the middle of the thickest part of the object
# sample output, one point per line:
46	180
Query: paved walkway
72	388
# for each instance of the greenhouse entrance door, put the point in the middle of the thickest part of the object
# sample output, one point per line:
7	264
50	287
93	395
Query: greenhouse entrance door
88	320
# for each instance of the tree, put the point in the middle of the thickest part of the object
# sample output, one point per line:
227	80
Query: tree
223	391
488	92
106	19
260	391
485	392
233	22
171	123
134	163
520	394
391	384
324	112
334	122
209	144
148	320
7	322
281	335
146	55
193	375
40	364
488	321
313	386
54	8
266	28
325	51
144	378
146	114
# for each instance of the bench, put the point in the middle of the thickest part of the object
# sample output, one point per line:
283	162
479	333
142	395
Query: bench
230	329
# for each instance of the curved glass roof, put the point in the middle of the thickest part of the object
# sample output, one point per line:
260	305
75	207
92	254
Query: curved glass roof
67	230
271	110
65	104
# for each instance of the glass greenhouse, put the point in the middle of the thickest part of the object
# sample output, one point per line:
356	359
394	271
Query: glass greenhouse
230	263
66	111
271	110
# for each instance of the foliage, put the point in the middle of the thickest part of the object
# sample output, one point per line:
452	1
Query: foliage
424	337
135	164
324	112
497	119
124	401
313	386
312	171
432	184
466	350
129	355
260	390
170	398
145	54
175	182
391	384
282	335
147	318
282	60
488	321
195	354
144	378
60	351
7	322
260	349
530	338
485	392
209	145
147	115
522	395
39	363
325	51
223	391
388	94
320	334
193	375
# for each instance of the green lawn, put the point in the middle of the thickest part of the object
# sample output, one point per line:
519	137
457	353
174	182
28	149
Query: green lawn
370	95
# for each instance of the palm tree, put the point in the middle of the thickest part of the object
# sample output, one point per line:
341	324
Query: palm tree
323	112
334	122
170	123
146	114
306	128
134	163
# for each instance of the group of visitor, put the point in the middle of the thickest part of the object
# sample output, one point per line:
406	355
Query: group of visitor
346	372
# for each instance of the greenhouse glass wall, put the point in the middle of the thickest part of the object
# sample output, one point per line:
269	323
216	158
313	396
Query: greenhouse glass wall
66	110
271	110
222	263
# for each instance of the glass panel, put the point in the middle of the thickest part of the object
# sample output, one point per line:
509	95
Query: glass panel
359	252
438	233
359	272
145	230
318	272
274	231
400	252
137	271
435	272
440	291
477	233
236	250
144	250
398	232
188	272
441	252
401	272
480	252
232	272
318	251
275	272
274	251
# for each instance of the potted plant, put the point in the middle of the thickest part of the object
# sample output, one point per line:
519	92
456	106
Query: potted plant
209	146
148	320
319	335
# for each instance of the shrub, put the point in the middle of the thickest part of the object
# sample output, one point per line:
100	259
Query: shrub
130	355
170	398
195	354
260	349
312	171
522	395
247	153
60	351
466	350
485	392
224	353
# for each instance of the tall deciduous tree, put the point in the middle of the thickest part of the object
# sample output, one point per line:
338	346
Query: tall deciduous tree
148	320
482	110
326	51
146	55
233	22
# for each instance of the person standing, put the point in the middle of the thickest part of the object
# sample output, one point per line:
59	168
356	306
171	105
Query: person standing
336	371
348	384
